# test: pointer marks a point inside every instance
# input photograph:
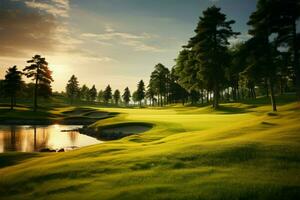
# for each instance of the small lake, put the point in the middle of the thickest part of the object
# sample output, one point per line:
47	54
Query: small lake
36	138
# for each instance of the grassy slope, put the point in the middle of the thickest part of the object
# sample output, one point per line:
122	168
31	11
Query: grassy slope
191	153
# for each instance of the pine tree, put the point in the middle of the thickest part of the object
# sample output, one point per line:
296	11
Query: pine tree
72	88
84	93
92	94
107	96
12	84
159	81
117	97
210	46
40	74
140	92
126	96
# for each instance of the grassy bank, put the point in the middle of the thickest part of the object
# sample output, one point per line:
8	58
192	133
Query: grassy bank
239	152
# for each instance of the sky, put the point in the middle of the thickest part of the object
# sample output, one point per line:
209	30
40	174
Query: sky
116	42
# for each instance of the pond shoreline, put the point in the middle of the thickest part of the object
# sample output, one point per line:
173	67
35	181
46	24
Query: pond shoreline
116	131
99	133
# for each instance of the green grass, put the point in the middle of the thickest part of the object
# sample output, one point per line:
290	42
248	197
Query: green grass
238	152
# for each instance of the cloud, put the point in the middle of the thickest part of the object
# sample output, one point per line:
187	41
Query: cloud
54	7
21	31
28	27
136	41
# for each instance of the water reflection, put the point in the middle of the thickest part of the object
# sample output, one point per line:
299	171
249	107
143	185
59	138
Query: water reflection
35	138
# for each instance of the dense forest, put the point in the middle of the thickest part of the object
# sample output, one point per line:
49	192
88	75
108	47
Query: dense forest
208	70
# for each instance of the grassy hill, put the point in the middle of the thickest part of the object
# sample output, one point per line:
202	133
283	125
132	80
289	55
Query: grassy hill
239	152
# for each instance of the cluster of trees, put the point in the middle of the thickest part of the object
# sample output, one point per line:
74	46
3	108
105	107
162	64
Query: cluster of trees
38	71
209	68
78	94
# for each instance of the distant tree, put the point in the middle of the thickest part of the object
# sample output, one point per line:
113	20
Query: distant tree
159	80
238	63
107	94
72	88
117	96
140	91
84	93
12	84
210	48
100	96
40	73
177	92
126	96
150	94
188	73
93	93
135	97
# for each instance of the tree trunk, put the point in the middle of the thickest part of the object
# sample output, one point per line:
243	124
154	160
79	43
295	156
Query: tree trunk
34	138
207	96
216	97
273	100
238	92
202	96
267	88
35	94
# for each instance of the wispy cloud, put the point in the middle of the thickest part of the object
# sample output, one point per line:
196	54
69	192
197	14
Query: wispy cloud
54	7
22	32
41	29
137	41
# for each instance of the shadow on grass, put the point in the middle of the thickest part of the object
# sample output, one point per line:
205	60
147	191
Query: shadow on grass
264	100
233	110
13	158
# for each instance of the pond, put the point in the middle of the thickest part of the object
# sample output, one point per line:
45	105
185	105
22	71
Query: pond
38	138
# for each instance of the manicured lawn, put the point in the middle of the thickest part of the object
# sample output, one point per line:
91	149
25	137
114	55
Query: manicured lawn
238	152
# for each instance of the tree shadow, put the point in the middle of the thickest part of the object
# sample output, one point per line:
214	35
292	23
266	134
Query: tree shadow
233	110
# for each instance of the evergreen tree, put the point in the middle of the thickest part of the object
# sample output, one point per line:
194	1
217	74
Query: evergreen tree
150	94
135	97
140	91
107	96
159	80
12	84
100	96
187	70
283	16
40	74
72	88
126	96
261	47
210	48
117	97
93	93
84	93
